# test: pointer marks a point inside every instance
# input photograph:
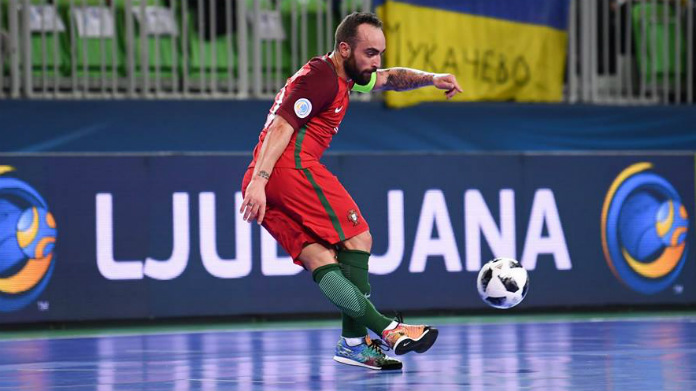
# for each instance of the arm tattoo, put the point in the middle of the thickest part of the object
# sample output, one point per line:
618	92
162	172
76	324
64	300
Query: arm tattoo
402	79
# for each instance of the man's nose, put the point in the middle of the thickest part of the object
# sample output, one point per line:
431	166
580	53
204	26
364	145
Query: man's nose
377	63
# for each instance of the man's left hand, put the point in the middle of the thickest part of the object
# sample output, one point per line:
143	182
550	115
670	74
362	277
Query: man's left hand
447	82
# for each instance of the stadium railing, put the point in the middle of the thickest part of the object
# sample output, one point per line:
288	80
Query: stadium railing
624	52
631	52
160	48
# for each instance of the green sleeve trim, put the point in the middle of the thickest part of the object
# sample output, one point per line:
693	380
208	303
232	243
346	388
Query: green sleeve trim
368	87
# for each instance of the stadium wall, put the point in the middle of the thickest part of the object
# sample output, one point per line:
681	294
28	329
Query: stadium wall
223	126
158	235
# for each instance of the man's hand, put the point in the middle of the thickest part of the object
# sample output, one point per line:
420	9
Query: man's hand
447	82
254	205
277	139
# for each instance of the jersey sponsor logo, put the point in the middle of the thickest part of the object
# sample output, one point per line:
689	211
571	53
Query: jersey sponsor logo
338	109
303	107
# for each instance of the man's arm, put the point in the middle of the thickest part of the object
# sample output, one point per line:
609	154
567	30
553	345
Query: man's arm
277	139
404	79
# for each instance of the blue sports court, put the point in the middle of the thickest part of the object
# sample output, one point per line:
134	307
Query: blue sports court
574	353
394	148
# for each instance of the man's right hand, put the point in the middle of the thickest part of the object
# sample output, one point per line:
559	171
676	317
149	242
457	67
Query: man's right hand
277	139
254	205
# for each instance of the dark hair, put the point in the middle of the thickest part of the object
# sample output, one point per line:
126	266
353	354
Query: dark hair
348	29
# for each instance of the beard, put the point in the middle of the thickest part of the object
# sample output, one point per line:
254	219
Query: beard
351	68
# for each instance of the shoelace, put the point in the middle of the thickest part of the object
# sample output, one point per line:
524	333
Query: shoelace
407	328
378	346
399	317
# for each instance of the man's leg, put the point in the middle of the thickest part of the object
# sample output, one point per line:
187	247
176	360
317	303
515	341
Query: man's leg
300	193
321	261
354	259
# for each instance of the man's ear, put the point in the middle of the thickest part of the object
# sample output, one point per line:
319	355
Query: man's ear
344	49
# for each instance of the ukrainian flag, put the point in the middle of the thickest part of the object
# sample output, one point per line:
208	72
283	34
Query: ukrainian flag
500	50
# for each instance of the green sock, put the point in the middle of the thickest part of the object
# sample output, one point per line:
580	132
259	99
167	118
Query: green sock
353	264
348	298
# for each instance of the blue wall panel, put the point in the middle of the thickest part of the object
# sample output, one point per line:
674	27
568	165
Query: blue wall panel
142	126
422	209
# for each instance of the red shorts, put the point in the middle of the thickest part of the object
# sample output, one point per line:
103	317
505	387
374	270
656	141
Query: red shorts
308	206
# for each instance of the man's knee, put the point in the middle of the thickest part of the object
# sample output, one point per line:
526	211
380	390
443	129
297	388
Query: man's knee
316	255
362	242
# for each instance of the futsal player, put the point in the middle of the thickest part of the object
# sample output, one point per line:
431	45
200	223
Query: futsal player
307	210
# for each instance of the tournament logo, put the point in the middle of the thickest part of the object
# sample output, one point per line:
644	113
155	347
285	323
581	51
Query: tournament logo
27	239
644	229
303	107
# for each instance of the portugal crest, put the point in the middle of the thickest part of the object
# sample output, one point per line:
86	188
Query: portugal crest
353	217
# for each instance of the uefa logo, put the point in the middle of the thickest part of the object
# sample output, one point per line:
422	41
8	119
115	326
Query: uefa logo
644	229
27	239
303	107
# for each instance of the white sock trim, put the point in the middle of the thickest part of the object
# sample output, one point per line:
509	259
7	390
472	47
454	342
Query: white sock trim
354	341
392	325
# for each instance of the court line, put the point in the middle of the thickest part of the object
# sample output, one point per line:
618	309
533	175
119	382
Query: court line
335	325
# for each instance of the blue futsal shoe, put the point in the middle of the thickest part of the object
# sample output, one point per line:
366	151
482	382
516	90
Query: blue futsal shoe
368	354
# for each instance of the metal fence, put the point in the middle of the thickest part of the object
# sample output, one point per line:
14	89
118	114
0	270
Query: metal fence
160	48
631	52
619	51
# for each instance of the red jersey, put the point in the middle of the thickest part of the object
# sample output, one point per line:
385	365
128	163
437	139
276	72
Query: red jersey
313	101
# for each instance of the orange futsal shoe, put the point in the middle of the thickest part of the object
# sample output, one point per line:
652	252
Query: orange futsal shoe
405	338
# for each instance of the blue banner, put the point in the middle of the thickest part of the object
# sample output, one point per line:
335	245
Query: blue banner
501	50
141	236
551	13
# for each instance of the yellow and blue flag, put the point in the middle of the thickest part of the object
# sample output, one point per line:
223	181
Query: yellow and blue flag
500	50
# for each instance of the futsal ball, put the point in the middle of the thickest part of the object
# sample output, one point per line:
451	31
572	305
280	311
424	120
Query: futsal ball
502	283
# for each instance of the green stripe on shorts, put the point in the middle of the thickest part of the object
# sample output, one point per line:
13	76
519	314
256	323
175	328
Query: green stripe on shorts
327	206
